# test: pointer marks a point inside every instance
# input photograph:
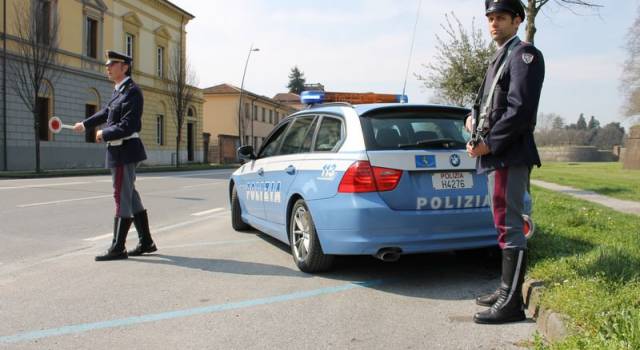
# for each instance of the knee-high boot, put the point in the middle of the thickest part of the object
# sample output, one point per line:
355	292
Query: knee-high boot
117	250
509	305
146	244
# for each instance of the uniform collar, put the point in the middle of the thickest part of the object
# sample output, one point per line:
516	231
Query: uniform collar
122	84
501	50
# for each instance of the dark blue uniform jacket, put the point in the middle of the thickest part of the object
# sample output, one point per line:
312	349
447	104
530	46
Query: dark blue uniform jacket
513	110
123	115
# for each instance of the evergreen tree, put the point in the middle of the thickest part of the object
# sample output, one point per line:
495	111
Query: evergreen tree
296	81
593	123
582	123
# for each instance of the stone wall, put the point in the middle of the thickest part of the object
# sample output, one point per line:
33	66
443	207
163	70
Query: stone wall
576	154
632	151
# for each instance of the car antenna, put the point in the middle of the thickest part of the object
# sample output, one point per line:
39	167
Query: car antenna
413	40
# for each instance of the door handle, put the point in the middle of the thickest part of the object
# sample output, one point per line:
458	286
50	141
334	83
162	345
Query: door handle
261	171
291	170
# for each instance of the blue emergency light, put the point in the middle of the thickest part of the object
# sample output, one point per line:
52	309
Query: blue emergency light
311	97
402	98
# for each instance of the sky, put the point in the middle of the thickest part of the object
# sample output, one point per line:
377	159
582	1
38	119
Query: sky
364	45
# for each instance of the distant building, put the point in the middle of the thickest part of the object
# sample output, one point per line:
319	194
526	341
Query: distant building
259	114
290	99
150	31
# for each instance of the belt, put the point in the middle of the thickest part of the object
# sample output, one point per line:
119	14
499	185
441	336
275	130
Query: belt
118	142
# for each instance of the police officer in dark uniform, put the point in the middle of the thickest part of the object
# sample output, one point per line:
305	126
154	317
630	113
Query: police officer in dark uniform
502	124
123	117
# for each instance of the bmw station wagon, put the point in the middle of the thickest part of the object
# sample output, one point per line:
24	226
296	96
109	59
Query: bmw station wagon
376	179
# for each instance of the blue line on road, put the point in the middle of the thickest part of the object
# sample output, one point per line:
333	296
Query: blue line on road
130	321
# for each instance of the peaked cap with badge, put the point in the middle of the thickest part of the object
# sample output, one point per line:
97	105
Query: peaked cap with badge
512	6
114	56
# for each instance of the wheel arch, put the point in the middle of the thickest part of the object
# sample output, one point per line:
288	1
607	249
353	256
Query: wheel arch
292	200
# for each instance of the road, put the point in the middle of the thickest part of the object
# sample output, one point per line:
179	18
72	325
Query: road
211	287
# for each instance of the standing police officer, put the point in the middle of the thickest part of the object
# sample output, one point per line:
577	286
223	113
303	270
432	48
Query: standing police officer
123	117
503	120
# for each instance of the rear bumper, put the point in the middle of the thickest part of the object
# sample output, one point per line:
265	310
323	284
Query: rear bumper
354	224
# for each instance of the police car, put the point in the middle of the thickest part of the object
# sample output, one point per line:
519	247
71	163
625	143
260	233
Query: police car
375	179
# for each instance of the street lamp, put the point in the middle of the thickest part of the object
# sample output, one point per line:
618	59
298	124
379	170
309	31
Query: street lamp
251	49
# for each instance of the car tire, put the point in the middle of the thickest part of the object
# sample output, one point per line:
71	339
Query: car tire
236	213
305	245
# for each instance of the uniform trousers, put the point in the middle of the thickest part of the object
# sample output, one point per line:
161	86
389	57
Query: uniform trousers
507	188
126	196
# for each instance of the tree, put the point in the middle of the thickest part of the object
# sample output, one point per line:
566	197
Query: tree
457	70
533	7
593	123
296	81
610	135
557	123
37	27
630	84
581	124
182	78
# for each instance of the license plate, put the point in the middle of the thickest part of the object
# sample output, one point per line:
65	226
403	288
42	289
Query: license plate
452	181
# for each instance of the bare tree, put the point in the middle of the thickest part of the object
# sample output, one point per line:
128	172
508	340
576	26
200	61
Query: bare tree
630	84
36	26
457	70
182	79
533	7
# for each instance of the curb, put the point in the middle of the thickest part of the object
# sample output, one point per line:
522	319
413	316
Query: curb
104	171
552	325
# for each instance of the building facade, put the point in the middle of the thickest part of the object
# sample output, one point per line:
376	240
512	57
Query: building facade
151	31
259	114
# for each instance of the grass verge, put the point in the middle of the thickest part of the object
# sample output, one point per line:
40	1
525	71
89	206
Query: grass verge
589	257
608	179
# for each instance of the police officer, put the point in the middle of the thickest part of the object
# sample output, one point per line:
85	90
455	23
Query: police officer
123	117
503	120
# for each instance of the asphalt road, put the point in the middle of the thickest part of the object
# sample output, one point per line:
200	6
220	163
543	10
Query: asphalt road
211	287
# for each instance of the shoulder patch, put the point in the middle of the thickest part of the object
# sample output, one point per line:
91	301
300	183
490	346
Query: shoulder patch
527	57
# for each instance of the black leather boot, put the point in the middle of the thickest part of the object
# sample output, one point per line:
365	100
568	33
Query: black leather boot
509	306
117	250
146	244
488	299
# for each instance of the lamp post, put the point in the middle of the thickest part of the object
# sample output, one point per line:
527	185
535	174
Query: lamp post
251	49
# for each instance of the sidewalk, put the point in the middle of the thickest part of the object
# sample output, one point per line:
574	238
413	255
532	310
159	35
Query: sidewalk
628	207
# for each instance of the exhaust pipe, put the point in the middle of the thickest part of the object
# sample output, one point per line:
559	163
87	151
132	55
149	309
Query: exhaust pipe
389	254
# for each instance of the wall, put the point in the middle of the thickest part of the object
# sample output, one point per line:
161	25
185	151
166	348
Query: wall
575	154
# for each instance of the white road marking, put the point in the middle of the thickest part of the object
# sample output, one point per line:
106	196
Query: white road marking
45	185
62	201
164	228
207	212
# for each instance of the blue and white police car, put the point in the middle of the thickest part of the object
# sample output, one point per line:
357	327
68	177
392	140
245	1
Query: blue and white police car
376	179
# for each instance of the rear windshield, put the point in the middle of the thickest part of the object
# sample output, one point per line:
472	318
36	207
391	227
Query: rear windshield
414	129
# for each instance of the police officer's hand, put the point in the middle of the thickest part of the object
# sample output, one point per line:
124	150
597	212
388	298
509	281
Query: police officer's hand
99	136
469	123
480	149
78	127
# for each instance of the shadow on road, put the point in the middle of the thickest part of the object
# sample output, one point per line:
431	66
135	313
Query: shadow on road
221	265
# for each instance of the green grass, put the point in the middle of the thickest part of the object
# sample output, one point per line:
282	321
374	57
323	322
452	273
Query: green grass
589	258
608	179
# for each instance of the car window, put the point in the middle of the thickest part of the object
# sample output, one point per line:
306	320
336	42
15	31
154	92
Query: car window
295	136
329	134
308	139
270	147
415	129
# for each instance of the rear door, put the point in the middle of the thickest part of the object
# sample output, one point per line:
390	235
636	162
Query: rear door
428	144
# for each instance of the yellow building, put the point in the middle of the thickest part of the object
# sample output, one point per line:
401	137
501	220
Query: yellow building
151	31
259	115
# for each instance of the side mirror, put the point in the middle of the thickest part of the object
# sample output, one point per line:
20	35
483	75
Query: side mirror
245	153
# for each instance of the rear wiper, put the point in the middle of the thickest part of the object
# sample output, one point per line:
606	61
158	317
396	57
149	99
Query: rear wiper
442	143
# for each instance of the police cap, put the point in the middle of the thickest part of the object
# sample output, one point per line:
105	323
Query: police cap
511	6
114	56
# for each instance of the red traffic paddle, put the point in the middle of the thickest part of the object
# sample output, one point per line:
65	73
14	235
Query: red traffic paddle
55	125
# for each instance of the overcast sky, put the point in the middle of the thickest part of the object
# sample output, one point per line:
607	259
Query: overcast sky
363	45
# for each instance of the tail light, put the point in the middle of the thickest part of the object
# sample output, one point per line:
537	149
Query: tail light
362	177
